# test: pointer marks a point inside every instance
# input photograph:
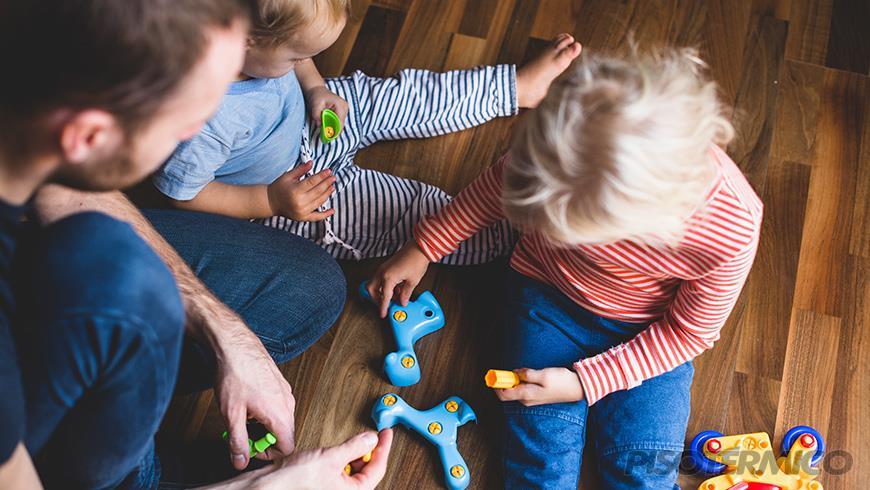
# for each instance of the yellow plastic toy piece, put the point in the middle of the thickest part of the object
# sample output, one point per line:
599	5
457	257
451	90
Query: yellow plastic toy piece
435	428
457	471
365	459
329	132
496	378
408	361
389	400
400	316
451	406
749	458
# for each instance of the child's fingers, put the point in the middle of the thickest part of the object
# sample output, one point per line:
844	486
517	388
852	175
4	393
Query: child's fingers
299	171
535	376
320	215
316	179
522	393
387	294
319	200
313	193
405	291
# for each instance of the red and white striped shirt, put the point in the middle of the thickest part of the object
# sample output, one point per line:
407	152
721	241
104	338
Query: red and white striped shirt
686	291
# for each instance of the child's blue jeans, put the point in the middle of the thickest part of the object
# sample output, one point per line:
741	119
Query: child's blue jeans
636	436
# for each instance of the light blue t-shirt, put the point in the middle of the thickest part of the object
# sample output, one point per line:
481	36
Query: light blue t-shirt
253	138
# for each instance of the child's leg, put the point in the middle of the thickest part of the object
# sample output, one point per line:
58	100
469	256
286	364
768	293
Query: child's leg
420	103
375	215
543	444
638	434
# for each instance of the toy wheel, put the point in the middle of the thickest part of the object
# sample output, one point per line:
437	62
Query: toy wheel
794	434
696	453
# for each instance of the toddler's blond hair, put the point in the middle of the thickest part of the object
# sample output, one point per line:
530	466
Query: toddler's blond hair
618	149
277	21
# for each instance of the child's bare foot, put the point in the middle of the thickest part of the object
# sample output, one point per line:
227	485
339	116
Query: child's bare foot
534	79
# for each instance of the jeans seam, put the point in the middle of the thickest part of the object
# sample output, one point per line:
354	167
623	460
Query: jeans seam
655	446
546	413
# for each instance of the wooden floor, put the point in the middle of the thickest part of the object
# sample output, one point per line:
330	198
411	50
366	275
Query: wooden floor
796	350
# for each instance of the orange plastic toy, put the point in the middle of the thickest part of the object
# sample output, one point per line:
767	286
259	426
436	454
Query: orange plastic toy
496	378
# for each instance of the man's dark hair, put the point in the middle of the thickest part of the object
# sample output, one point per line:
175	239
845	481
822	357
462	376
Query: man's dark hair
123	56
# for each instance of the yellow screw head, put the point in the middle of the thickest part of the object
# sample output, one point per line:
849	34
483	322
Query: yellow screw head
457	471
408	361
435	428
814	485
389	400
400	315
328	131
451	406
347	469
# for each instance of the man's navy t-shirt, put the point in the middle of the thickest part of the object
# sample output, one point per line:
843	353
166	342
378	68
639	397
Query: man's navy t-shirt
11	397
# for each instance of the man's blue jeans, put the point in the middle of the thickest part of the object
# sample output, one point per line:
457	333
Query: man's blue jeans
100	329
636	436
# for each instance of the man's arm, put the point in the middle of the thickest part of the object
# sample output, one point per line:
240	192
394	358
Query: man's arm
248	383
18	471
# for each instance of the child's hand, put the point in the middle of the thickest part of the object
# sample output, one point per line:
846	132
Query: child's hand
320	98
541	386
405	269
296	198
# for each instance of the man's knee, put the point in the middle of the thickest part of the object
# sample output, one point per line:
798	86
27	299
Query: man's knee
303	301
90	262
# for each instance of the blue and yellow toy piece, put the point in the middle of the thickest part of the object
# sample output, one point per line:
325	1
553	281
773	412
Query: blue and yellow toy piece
330	126
747	461
438	425
258	446
420	318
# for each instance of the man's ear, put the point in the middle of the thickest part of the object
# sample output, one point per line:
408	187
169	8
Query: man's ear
88	133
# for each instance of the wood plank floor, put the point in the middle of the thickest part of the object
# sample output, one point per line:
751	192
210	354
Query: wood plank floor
796	350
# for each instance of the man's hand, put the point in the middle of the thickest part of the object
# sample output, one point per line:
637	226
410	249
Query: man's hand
405	270
250	386
320	98
324	468
296	198
542	386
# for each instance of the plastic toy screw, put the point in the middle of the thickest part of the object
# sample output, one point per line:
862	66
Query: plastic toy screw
711	486
457	471
400	316
814	485
714	446
329	132
389	400
347	469
451	406
408	362
435	428
807	440
763	444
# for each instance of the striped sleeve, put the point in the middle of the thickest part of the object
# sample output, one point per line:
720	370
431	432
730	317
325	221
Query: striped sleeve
476	207
690	326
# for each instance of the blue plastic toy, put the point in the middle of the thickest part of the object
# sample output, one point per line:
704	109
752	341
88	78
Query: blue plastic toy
421	317
438	425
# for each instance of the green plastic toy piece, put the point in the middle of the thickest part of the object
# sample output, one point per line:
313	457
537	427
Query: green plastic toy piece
259	445
330	126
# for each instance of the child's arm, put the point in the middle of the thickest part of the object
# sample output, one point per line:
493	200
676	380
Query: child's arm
689	327
476	207
317	95
288	196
